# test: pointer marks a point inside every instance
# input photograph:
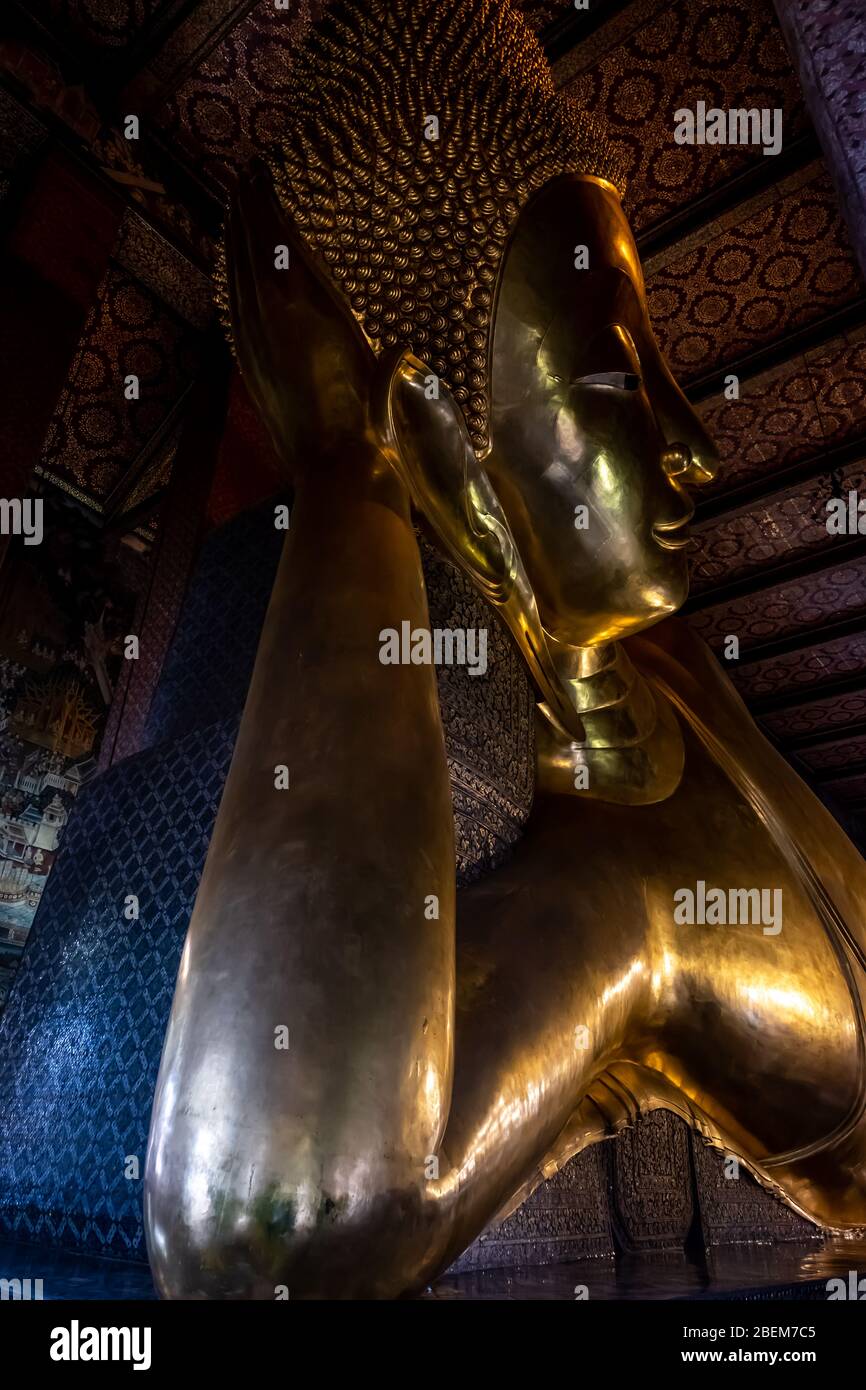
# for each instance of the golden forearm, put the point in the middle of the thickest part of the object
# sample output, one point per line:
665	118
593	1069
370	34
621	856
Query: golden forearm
255	1142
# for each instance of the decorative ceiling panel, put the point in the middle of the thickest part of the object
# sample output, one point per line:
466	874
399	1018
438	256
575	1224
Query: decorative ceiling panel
844	656
778	263
653	59
162	268
835	755
847	789
788	526
105	24
834	712
786	609
228	108
96	434
202	29
814	402
831	33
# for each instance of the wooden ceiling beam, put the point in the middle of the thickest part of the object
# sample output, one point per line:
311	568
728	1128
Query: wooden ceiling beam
802	641
701	212
792	698
784	349
575	26
769	485
829	557
819	738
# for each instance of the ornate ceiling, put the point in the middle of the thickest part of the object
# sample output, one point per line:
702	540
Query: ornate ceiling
777	263
806	406
653	57
749	271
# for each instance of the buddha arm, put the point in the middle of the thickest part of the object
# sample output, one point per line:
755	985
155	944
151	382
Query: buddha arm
311	912
677	655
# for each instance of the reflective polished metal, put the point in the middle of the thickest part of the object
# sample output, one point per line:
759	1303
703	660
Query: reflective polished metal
364	1066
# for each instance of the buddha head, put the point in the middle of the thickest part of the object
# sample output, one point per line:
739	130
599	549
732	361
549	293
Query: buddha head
592	444
469	218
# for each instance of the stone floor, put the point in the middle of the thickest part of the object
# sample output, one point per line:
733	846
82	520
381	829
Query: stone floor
753	1272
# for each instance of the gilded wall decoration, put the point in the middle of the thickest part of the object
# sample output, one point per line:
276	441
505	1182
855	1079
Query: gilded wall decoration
67	605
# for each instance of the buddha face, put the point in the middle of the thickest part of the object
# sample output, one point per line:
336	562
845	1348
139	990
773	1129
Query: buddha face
592	442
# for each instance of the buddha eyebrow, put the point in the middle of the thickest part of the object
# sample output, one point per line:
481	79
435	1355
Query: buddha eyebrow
623	381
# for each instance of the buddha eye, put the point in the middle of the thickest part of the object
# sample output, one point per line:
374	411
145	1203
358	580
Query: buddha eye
620	381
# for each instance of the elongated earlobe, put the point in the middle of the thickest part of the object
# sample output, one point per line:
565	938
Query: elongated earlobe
428	445
425	437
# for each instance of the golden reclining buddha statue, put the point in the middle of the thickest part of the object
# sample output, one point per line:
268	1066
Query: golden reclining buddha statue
444	324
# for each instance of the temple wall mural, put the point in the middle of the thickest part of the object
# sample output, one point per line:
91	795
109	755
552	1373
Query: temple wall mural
432	605
67	604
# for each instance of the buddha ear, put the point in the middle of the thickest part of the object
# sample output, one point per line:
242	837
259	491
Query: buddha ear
428	445
425	438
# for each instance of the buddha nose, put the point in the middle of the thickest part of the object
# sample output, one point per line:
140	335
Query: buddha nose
676	460
688	453
692	458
